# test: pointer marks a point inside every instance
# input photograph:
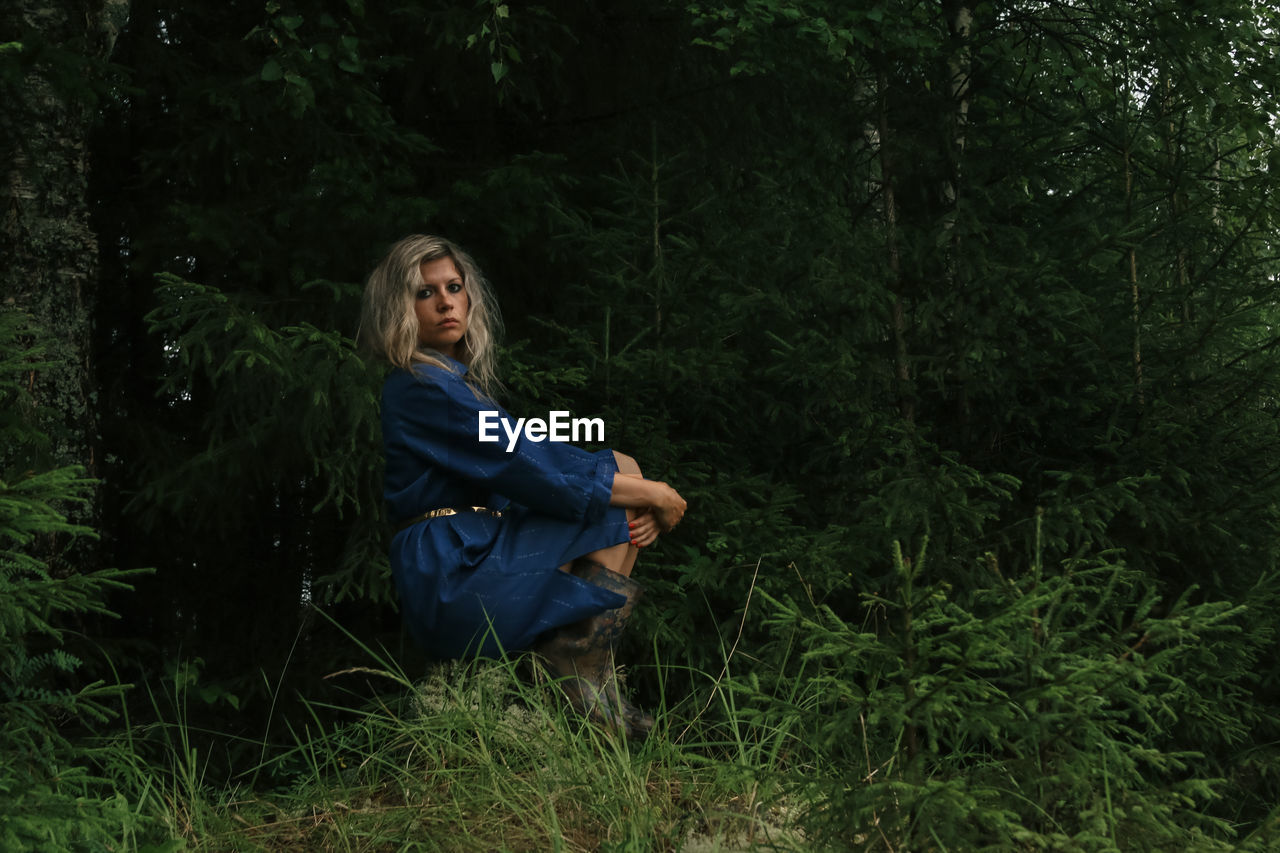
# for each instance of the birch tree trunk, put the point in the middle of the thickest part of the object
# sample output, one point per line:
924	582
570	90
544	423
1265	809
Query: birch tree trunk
1135	293
48	250
901	360
959	67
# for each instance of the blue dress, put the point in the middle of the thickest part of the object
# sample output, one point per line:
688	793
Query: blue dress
471	583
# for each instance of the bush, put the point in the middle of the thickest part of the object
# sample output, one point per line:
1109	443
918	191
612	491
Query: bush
1062	710
49	798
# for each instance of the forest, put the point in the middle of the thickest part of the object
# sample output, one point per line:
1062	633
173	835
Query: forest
957	322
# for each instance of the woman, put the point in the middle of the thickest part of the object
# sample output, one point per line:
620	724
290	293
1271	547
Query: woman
500	544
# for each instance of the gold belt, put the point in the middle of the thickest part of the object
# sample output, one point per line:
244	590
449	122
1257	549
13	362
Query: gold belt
448	510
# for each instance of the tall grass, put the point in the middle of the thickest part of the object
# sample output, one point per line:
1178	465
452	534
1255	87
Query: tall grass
475	756
1059	711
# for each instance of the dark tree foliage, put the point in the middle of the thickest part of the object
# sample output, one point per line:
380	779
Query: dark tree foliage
852	276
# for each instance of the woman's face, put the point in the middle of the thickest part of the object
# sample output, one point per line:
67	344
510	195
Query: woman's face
441	306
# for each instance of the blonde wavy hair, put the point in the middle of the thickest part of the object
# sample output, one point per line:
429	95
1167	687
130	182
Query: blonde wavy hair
389	326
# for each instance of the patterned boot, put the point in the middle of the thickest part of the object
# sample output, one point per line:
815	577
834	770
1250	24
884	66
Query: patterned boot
580	657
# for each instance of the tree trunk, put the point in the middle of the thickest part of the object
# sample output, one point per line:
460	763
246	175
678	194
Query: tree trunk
54	51
1182	276
1135	294
902	365
959	69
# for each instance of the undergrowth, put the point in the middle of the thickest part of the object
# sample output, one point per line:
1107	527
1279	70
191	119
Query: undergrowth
1070	709
475	756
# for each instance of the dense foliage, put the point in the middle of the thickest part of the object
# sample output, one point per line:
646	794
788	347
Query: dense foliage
51	798
997	279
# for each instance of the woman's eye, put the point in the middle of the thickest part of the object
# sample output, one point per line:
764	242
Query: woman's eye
424	293
455	287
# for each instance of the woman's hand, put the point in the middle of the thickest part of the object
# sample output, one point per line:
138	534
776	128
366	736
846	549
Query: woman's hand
644	528
670	509
658	507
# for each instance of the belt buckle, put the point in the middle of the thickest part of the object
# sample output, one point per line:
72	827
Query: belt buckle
448	510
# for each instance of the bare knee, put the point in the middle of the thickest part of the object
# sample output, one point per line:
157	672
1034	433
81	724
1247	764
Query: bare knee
626	465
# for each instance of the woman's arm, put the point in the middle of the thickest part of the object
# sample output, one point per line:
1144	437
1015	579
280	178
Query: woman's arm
660	506
430	421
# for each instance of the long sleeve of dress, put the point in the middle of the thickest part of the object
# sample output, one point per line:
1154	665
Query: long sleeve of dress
432	429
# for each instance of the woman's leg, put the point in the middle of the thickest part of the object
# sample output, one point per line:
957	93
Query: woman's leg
580	656
620	558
